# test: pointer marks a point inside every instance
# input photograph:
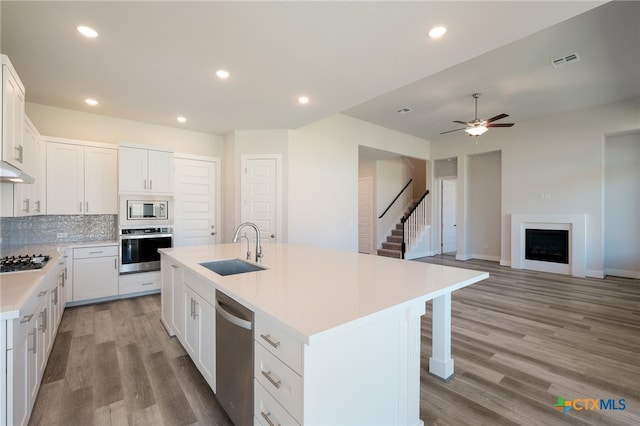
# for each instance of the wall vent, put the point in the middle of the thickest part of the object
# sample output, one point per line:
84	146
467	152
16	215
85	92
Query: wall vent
404	110
568	59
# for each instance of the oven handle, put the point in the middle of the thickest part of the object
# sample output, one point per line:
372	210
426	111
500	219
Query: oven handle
141	236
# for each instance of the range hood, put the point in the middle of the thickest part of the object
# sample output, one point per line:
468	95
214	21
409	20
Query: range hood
9	173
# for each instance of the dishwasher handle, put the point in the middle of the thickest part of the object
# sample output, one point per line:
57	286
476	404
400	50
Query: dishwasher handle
232	318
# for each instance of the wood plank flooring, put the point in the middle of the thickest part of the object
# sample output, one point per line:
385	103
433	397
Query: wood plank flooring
520	340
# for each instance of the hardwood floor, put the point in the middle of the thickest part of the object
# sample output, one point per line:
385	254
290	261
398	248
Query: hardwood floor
114	364
520	340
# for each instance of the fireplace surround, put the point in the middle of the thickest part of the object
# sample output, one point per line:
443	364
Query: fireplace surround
558	227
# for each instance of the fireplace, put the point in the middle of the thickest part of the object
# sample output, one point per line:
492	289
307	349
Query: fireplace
549	242
547	245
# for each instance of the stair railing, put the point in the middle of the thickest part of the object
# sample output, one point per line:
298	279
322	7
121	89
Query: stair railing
393	213
413	223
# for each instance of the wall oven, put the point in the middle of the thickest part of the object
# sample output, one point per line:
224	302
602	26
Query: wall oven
139	248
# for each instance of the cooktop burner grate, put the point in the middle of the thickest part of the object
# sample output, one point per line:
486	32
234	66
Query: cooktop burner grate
25	262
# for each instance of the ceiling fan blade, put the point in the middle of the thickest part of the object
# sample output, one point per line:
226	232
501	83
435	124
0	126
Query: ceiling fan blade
500	125
497	117
455	130
461	122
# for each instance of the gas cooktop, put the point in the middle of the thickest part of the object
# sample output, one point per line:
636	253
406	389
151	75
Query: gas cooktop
25	262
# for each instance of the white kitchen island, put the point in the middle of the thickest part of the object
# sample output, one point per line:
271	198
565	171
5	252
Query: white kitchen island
338	331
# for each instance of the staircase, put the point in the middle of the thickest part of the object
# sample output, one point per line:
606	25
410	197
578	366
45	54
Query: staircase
393	246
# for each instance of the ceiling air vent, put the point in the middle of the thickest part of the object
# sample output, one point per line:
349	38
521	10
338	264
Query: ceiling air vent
569	59
404	110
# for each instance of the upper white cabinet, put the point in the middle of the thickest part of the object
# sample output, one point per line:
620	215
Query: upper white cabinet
144	170
81	177
29	199
12	116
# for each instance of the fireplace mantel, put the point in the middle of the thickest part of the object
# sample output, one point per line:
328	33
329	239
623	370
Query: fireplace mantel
576	224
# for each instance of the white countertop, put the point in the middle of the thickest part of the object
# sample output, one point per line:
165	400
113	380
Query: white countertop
313	291
17	287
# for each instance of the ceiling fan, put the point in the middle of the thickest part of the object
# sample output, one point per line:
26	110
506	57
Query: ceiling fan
477	126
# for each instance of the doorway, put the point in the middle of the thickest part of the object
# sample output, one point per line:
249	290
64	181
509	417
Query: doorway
448	212
621	205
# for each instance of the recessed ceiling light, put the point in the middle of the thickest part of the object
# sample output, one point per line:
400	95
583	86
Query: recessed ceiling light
181	119
223	74
438	31
91	102
303	100
86	31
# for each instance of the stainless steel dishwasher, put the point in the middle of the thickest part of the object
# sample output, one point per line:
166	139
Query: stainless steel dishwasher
234	359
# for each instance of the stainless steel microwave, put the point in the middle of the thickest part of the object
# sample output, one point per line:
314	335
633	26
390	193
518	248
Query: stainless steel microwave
145	210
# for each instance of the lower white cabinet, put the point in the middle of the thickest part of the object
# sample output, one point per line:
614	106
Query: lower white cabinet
139	282
95	272
199	333
25	344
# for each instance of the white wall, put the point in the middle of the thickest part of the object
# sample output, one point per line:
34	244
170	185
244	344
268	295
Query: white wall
551	165
483	198
66	123
323	177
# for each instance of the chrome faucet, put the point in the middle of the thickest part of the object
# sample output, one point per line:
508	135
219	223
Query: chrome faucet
237	236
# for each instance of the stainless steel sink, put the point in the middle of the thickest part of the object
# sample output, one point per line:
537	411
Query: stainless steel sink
231	267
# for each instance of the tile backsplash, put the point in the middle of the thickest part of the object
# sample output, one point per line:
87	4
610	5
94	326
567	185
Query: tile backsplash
17	231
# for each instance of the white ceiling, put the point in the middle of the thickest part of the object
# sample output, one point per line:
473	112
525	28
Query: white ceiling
155	60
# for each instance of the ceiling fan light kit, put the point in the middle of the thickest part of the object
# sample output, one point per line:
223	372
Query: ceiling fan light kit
477	127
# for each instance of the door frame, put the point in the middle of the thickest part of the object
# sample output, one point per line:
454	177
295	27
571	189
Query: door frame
243	191
438	222
372	246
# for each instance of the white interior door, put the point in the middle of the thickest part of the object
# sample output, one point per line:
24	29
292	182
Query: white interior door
260	195
448	209
365	212
195	202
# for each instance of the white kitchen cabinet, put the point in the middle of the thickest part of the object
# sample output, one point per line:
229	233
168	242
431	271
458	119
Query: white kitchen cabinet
200	327
95	272
171	285
142	282
29	198
144	170
25	345
13	101
81	177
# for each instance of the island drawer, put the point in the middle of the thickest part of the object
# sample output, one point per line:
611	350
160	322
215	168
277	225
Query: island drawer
284	384
267	411
279	342
135	283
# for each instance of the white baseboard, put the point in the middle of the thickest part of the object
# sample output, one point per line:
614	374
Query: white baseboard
486	257
618	273
504	262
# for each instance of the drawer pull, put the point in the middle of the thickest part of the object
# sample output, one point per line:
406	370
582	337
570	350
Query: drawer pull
42	293
96	252
26	319
151	283
274	382
267	417
269	341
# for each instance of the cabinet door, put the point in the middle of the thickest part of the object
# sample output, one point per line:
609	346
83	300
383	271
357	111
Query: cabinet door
100	180
25	195
206	350
65	178
95	277
17	367
191	323
12	117
161	172
178	314
132	170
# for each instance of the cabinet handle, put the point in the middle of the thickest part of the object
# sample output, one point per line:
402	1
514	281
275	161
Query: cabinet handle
145	183
38	206
86	204
192	308
267	417
195	310
80	206
115	263
43	320
150	184
65	273
19	151
55	299
42	293
269	341
147	283
274	382
174	266
96	252
34	340
25	207
26	319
